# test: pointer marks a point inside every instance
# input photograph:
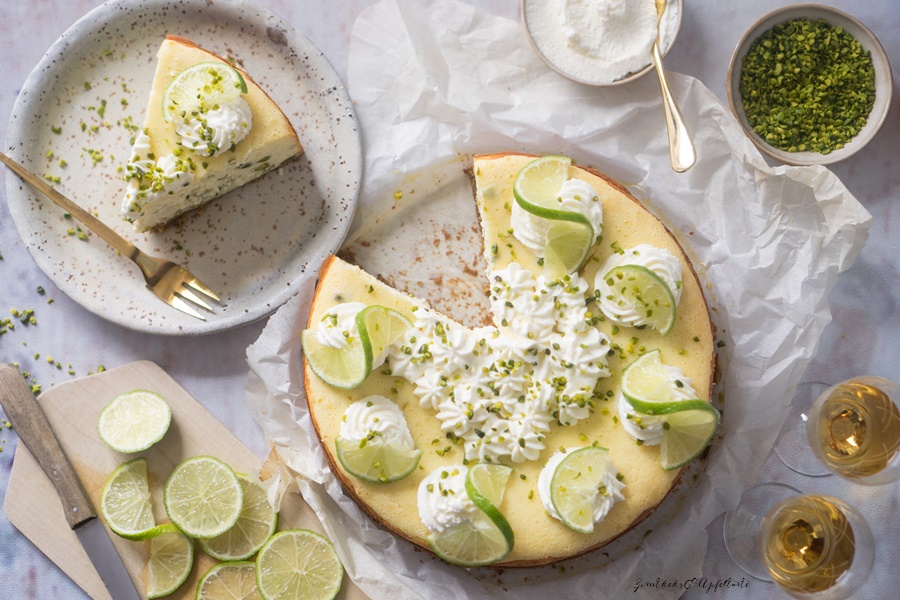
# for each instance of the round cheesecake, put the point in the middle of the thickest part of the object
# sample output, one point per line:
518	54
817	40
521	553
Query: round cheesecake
539	537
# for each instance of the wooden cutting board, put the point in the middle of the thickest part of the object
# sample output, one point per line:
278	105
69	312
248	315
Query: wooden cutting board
33	507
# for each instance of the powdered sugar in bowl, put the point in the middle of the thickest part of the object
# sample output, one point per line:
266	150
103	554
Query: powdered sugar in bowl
600	42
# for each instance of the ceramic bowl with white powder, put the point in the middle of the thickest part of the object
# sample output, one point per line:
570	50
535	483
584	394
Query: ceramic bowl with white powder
600	42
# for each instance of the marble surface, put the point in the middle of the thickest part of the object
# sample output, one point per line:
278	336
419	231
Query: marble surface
864	337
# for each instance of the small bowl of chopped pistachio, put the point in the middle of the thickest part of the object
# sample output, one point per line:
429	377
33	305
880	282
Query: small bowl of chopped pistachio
809	84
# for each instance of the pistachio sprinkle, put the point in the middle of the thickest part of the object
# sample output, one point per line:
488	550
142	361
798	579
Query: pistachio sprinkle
807	86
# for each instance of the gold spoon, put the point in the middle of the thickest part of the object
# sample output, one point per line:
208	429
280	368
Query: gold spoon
682	154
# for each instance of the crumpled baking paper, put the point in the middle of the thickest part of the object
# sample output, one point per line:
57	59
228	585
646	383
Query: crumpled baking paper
434	82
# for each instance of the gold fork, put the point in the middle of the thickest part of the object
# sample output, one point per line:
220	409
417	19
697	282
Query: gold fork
172	283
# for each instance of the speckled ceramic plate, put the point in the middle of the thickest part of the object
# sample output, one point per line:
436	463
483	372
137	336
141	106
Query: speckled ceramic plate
251	245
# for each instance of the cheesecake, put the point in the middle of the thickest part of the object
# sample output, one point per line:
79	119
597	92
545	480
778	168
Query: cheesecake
194	145
543	380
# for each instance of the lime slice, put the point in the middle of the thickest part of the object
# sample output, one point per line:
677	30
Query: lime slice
569	244
171	561
575	484
537	186
486	483
472	543
343	368
203	85
229	580
298	564
648	387
379	327
253	528
377	460
134	421
649	293
203	497
687	433
125	502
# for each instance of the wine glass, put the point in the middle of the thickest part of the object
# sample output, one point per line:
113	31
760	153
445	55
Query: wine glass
814	547
854	430
792	444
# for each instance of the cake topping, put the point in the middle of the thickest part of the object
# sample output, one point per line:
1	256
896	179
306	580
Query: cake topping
442	499
579	486
213	131
575	195
620	302
646	427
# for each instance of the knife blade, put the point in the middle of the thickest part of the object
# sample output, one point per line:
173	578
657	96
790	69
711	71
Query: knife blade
34	430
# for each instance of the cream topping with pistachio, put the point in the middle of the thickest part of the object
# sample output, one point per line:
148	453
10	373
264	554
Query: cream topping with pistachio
648	429
607	494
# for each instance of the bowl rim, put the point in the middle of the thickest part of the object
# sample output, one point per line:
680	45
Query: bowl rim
867	39
628	78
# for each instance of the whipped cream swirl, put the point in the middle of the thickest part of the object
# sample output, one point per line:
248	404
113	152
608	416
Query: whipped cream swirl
212	131
626	310
499	389
442	499
149	180
376	416
604	499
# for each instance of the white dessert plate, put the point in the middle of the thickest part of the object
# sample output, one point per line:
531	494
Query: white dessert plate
252	245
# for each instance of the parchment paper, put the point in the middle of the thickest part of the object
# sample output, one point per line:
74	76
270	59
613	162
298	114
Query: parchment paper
434	82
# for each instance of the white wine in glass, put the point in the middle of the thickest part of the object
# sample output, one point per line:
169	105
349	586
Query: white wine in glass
816	547
854	429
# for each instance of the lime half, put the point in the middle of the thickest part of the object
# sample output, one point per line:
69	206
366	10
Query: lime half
377	460
379	327
687	433
171	561
125	502
134	421
575	484
298	564
253	528
650	295
343	368
203	497
202	86
229	581
648	387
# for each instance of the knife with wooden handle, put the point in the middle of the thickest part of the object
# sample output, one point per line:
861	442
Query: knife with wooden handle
34	430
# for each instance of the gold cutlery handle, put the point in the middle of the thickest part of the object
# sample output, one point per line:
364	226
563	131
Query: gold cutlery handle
682	154
90	221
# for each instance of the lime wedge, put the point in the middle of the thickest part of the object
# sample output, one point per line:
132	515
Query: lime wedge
203	497
471	543
379	327
687	433
377	460
171	561
649	293
569	244
576	482
125	502
648	387
134	421
486	483
229	580
343	368
202	86
298	563
253	528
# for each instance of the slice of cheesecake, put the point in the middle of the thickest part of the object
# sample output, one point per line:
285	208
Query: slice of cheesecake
187	155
